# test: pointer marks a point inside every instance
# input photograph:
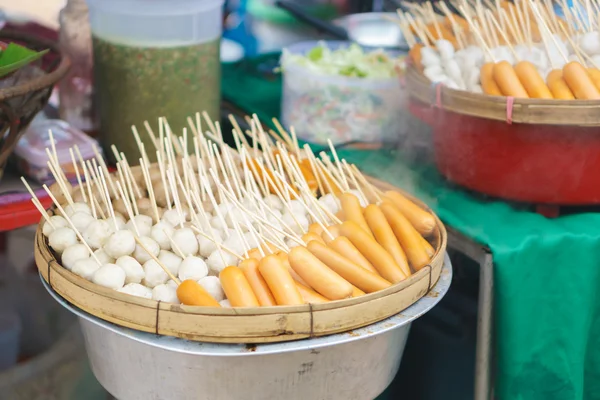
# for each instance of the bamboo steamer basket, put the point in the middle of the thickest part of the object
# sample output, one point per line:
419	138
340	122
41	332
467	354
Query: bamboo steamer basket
241	325
531	150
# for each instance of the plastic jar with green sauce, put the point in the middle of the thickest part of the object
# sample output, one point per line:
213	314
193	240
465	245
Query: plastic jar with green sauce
154	58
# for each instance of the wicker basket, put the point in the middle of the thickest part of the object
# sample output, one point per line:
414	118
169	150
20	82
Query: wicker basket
29	94
240	325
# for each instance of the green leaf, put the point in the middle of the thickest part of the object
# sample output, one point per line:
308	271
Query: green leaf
15	56
315	54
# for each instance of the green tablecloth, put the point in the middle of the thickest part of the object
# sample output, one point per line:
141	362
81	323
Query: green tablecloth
547	271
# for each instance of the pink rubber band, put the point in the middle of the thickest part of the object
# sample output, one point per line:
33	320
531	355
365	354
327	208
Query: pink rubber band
510	101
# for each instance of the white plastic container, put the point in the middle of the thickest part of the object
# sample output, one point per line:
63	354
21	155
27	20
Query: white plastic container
31	153
154	58
362	112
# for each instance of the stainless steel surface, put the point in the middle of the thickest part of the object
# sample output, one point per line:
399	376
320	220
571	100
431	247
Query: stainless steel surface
359	364
483	350
373	29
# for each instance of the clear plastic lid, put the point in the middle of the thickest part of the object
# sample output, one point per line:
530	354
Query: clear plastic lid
156	23
32	145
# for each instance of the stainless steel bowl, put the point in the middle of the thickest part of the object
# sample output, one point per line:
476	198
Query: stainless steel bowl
356	365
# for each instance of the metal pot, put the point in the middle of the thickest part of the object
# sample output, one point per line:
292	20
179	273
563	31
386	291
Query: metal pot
356	365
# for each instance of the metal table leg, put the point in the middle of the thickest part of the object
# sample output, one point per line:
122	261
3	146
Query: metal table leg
483	350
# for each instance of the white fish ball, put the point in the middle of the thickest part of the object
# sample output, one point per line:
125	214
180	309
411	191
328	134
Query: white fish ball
596	59
216	263
218	224
235	244
573	57
429	57
296	207
103	257
186	241
298	223
212	285
72	254
62	238
135	289
57	221
154	274
120	243
192	268
97	233
81	220
165	293
503	53
141	255
435	74
85	268
225	303
74	208
142	222
172	283
361	199
590	42
172	217
445	49
291	243
252	240
170	260
235	216
476	89
330	202
453	71
134	273
225	207
109	275
473	78
273	201
119	220
161	233
207	246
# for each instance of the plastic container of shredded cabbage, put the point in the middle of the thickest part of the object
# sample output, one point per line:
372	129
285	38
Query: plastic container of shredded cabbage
340	91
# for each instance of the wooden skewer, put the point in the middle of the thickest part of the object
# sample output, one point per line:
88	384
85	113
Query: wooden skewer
76	168
163	178
37	203
105	171
57	204
129	175
111	210
61	183
88	184
151	134
160	264
145	169
128	208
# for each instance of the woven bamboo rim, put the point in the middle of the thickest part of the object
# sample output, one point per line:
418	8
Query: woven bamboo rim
241	325
525	111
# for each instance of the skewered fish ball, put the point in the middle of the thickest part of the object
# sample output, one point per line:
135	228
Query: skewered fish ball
143	223
71	209
165	293
81	220
192	268
134	273
103	257
207	246
161	232
216	263
62	238
186	241
170	260
109	275
225	303
212	285
273	201
172	283
172	217
121	243
154	274
97	233
119	221
294	221
85	268
297	207
119	206
141	255
218	224
72	254
135	289
330	203
58	222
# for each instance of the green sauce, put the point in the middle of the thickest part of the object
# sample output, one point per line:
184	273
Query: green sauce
135	84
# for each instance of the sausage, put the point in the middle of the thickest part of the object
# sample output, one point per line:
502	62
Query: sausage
558	86
415	54
385	236
309	295
280	281
356	292
255	254
344	247
191	293
382	260
319	277
260	288
579	82
357	276
594	74
427	246
407	236
309	237
307	174
237	288
488	84
354	212
286	264
422	220
507	80
315	228
335	232
531	79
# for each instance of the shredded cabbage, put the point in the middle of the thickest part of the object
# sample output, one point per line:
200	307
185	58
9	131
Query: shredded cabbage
351	61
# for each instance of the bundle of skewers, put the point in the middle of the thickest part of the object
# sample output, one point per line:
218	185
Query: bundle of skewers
519	49
265	224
